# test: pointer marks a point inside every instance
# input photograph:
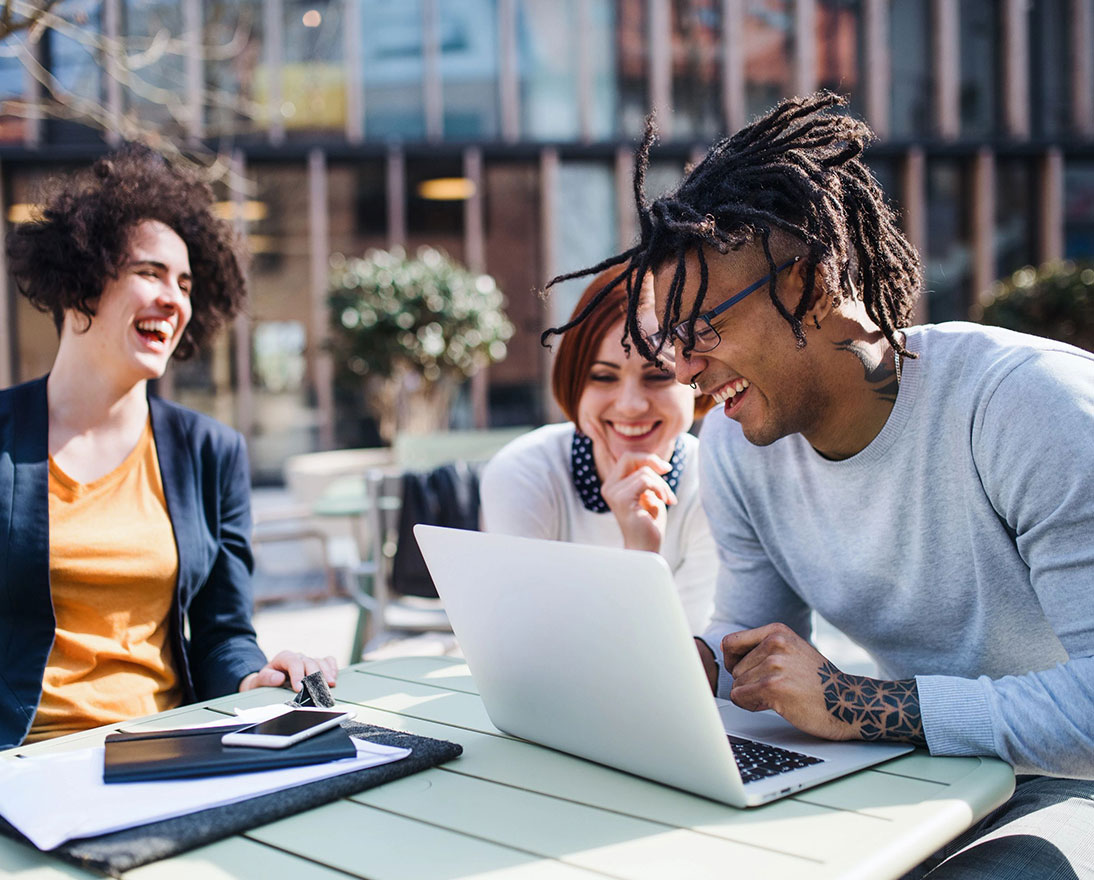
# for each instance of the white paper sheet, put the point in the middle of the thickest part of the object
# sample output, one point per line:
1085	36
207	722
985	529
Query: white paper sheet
54	798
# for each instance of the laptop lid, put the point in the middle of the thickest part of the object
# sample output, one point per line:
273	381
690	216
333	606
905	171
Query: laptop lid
587	650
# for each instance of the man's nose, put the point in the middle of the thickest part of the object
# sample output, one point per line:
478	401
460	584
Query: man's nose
686	367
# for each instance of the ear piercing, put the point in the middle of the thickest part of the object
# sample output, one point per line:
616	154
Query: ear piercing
816	323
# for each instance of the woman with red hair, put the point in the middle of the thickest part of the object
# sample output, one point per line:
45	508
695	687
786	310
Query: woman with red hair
623	471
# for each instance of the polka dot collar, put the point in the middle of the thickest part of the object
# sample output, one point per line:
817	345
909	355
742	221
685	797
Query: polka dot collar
587	481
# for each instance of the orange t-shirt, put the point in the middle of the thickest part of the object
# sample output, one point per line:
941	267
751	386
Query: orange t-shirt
113	565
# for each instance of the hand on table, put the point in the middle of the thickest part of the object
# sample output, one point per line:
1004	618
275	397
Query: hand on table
292	667
638	497
775	668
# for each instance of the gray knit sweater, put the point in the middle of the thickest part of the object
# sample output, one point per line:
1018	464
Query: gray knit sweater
958	547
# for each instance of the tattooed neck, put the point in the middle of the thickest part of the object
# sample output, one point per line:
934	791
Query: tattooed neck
878	374
881	710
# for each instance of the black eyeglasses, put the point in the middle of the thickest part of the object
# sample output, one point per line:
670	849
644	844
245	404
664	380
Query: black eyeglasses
706	337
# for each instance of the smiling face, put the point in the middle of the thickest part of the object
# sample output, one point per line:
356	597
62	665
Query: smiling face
629	405
141	315
756	373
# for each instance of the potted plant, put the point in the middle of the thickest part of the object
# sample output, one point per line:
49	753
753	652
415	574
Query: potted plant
1055	300
413	328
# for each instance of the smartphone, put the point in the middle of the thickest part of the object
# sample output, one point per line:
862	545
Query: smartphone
286	729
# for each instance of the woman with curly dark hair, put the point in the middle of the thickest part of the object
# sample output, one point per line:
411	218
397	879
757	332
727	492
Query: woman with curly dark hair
126	519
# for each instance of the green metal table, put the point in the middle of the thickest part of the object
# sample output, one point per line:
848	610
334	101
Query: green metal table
510	810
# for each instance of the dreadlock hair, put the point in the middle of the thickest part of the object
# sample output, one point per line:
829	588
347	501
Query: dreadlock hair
792	180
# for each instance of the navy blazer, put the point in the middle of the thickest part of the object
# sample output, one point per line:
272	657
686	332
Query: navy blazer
207	485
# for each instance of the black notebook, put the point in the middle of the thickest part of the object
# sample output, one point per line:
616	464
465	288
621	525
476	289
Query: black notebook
175	754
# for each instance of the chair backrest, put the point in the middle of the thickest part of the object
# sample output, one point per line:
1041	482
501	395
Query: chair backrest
422	452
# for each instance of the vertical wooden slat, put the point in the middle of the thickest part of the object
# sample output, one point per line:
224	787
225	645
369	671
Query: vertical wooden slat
548	201
626	226
983	223
1081	66
1016	94
475	250
432	89
913	186
945	55
112	15
876	73
321	363
272	46
585	84
508	71
805	47
395	182
195	60
659	53
354	71
733	64
241	328
1050	208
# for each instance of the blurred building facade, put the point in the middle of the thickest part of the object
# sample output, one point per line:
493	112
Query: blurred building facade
503	130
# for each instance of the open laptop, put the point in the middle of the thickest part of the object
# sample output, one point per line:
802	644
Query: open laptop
587	650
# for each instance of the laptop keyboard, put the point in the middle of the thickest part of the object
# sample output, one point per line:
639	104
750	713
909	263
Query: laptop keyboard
757	760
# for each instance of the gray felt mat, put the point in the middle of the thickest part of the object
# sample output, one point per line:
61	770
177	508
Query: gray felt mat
122	850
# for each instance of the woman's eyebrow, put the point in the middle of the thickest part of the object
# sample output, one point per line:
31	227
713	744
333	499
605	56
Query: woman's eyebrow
612	364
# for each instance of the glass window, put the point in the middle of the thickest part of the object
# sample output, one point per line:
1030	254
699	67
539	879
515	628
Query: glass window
357	206
768	47
12	83
156	91
435	217
513	233
34	337
947	263
313	76
285	416
72	59
910	50
696	69
585	227
1049	70
1079	210
391	56
235	72
980	61
468	41
548	69
1015	208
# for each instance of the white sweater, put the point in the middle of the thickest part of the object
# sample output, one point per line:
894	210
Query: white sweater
527	490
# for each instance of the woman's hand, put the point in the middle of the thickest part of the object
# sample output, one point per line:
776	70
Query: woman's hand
291	667
638	497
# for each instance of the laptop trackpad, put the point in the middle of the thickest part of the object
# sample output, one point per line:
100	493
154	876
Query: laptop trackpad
767	726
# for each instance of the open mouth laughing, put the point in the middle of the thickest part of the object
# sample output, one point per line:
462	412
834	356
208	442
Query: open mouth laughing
156	330
634	430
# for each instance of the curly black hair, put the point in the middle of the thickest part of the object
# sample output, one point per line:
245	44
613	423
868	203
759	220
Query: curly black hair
791	181
62	260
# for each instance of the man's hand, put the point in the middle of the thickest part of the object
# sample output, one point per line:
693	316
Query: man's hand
775	668
291	667
638	497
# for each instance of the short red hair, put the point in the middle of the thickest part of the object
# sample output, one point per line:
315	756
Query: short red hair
579	345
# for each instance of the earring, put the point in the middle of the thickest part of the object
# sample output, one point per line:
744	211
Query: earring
694	386
816	323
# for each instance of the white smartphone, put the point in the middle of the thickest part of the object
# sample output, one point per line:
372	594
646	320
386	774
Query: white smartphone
283	730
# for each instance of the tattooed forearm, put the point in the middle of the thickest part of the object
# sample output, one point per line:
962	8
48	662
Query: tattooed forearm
882	710
877	373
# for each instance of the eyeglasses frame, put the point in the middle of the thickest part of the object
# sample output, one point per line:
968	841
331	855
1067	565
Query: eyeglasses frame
680	330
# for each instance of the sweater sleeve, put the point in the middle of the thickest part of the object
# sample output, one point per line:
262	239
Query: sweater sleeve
1033	448
749	591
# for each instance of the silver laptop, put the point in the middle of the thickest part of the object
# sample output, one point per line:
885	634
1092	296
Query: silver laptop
587	650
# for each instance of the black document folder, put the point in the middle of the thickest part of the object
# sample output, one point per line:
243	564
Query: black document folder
176	754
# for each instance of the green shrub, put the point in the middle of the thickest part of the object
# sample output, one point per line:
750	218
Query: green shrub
426	314
1055	300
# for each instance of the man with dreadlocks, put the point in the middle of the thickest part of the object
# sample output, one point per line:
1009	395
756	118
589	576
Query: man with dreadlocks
929	490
